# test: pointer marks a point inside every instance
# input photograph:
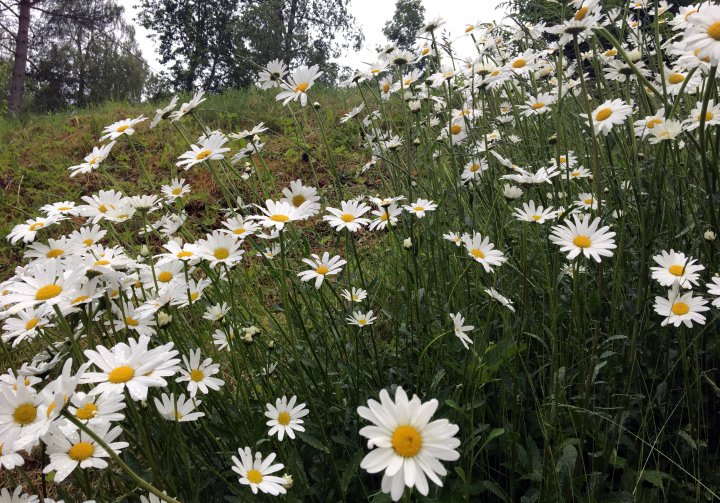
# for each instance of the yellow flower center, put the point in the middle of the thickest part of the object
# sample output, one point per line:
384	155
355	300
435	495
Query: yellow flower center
87	411
406	441
708	116
31	323
121	374
176	191
197	375
302	87
537	106
347	217
54	253
610	52
298	200
131	322
582	241
676	78
384	217
102	262
653	122
48	292
519	63
386	88
714	30
322	269
563	159
25	414
78	300
455	128
184	254
474	168
122	128
588	200
88	242
279	218
362	322
203	154
221	253
581	13
676	270
194	296
284	418
165	277
477	253
536	217
254	476
36	226
81	451
603	114
680	308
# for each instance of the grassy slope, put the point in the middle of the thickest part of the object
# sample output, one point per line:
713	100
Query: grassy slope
35	152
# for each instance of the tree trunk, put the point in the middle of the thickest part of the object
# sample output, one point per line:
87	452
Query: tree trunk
290	32
17	84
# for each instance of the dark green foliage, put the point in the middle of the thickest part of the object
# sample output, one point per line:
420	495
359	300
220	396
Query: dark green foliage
409	17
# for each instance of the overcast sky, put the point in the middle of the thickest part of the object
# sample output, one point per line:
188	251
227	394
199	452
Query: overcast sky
371	15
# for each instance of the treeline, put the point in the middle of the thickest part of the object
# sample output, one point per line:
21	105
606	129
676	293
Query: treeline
57	54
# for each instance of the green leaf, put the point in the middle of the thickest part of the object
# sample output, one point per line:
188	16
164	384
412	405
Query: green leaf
492	436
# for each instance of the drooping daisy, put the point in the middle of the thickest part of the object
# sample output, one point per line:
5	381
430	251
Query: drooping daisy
272	74
163	113
257	473
408	447
127	367
675	267
16	496
182	410
681	308
188	107
460	329
211	148
10	456
321	267
123	127
216	312
483	251
92	160
285	417
608	115
581	236
199	375
530	213
420	207
70	449
361	319
349	216
453	237
301	79
713	287
500	298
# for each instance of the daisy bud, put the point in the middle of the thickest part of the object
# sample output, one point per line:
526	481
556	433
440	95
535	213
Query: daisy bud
288	481
709	235
414	105
271	345
407	243
552	140
416	141
164	319
248	338
144	251
316	105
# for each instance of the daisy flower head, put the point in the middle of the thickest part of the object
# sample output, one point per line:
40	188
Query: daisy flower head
127	367
182	410
703	32
92	160
240	227
608	115
460	329
285	417
199	375
177	188
644	127
713	287
420	207
531	213
278	214
188	107
43	284
582	236
298	82
453	237
16	496
23	414
272	75
676	268
220	248
93	409
537	105
354	294
406	446
349	216
27	232
361	319
385	215
320	267
473	170
712	116
681	308
68	450
210	148
300	195
483	251
123	127
10	456
257	473
163	113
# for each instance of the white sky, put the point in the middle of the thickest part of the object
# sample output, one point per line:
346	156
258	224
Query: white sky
371	16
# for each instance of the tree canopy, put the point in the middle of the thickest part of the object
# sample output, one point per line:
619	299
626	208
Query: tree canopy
409	17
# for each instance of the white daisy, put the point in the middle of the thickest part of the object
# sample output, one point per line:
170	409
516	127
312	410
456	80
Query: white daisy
199	375
676	268
460	329
581	236
679	308
285	417
320	267
182	410
257	473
